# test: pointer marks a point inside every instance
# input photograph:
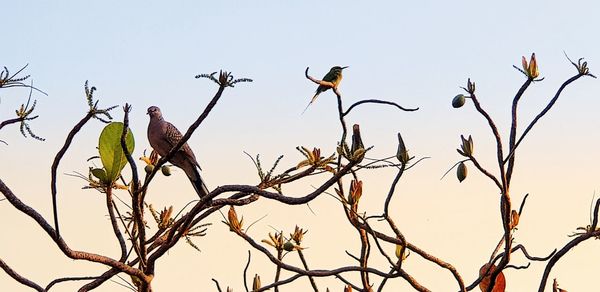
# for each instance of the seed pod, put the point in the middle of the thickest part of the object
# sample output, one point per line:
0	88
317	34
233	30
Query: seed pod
461	171
149	168
288	246
165	170
458	101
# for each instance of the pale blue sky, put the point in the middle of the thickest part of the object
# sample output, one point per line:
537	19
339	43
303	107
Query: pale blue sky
416	53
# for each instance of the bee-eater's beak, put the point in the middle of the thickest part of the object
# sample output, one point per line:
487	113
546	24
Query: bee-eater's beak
345	67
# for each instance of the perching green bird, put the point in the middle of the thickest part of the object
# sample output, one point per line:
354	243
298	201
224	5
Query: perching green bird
334	76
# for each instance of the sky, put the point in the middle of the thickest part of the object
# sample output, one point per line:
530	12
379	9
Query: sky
417	54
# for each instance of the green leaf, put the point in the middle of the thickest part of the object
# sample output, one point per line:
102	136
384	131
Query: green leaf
100	174
112	155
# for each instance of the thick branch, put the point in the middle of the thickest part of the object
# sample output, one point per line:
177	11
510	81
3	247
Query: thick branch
73	254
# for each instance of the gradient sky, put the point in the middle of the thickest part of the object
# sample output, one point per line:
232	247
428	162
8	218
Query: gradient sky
417	54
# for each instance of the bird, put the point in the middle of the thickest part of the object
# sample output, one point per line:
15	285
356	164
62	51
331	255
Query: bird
163	136
334	76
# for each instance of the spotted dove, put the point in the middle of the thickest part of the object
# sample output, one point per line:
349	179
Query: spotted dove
163	136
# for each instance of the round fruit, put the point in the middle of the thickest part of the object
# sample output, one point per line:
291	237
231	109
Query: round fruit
166	170
149	168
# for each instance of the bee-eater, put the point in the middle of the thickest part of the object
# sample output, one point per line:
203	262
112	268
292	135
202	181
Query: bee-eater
334	76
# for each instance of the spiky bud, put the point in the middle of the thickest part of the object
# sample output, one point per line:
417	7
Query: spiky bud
402	153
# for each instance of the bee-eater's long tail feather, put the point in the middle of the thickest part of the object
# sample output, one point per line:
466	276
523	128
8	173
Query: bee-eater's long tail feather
311	101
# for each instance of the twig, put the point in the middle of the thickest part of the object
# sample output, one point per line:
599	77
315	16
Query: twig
55	163
246	271
217	283
378	102
13	274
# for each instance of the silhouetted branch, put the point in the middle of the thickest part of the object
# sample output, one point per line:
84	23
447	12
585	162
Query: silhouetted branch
378	102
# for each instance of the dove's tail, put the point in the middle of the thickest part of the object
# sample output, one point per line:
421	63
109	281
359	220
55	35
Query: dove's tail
198	184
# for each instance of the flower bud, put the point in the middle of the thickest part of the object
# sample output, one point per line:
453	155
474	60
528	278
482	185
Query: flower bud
470	86
402	153
531	69
355	192
357	149
256	283
466	146
514	216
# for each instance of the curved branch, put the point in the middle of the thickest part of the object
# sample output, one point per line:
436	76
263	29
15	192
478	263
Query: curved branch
425	255
496	134
54	167
542	113
485	172
115	225
390	194
571	244
73	254
315	273
379	102
13	274
246	270
60	280
11	121
279	283
188	220
513	127
317	81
